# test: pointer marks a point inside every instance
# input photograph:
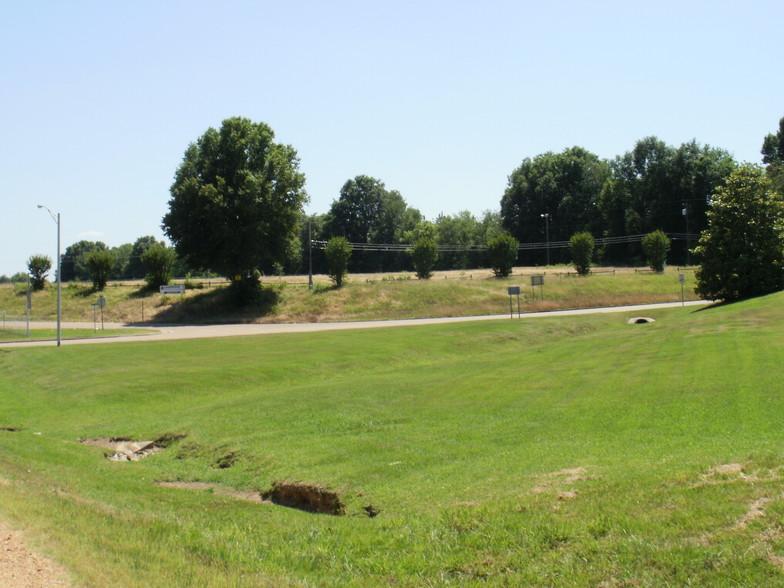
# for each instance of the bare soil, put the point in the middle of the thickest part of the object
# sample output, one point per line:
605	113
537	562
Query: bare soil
20	567
308	498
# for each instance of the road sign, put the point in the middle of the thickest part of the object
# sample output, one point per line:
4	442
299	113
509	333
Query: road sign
537	280
101	302
177	289
513	290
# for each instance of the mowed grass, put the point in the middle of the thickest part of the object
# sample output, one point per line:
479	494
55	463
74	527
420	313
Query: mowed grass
556	451
16	334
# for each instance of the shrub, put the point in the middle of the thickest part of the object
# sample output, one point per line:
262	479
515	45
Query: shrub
338	252
742	251
655	245
158	261
38	266
581	248
502	254
424	256
99	264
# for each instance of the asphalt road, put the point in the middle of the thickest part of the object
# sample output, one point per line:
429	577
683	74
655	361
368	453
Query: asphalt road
172	332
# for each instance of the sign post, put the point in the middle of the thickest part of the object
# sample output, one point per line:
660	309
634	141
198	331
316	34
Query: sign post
176	289
514	291
682	279
101	304
537	281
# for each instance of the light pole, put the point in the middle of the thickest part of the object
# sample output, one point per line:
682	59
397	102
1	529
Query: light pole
546	216
59	275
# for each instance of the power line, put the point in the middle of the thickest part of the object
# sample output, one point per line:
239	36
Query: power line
522	247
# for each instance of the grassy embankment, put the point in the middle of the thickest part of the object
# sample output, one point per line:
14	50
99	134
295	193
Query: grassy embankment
555	451
364	297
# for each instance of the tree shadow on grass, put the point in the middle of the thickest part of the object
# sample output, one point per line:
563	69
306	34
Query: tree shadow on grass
219	306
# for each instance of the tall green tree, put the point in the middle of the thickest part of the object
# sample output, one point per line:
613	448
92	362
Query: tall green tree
236	200
38	266
657	186
366	212
459	230
135	270
742	251
773	156
565	186
73	264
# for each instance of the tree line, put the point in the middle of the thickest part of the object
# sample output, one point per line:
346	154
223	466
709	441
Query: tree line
237	201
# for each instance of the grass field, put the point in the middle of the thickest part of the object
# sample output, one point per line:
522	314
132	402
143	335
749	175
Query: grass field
16	334
558	451
364	297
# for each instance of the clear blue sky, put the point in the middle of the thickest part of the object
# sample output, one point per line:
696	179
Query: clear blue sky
440	100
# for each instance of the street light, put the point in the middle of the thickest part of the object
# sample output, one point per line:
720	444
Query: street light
547	218
59	274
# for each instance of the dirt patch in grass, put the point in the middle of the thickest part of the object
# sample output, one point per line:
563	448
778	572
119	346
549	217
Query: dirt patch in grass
560	481
9	429
126	449
248	495
755	511
305	497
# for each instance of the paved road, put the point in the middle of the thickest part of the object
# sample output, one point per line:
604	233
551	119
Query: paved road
171	332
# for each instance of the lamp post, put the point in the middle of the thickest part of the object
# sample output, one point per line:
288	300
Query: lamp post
56	219
546	216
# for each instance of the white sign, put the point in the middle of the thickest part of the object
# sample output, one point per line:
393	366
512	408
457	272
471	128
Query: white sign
178	289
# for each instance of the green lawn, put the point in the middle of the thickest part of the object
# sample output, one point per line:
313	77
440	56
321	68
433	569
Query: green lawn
557	451
7	335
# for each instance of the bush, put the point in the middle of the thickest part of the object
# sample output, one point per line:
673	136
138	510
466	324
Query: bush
337	252
38	266
655	245
99	264
424	256
502	254
158	261
742	251
581	248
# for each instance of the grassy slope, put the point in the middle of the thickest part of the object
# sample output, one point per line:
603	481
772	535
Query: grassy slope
363	298
462	436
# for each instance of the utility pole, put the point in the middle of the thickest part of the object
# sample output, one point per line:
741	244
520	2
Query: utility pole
546	216
310	254
59	275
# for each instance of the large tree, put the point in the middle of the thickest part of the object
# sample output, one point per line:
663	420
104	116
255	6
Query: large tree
658	187
236	200
135	270
366	212
773	156
565	186
742	251
74	260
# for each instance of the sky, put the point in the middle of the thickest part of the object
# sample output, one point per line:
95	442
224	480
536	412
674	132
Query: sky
440	100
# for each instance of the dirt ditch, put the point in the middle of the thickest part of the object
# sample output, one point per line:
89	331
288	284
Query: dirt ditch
305	497
126	449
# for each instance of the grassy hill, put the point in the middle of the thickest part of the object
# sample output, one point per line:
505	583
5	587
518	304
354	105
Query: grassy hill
364	297
563	451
